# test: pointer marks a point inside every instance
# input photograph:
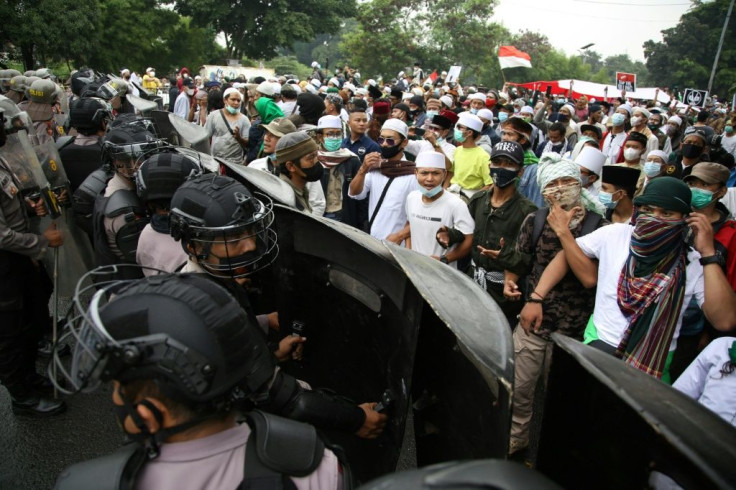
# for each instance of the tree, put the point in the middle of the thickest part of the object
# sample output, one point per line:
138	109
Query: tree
49	30
256	28
684	57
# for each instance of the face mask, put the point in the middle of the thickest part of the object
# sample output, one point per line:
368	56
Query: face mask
503	177
231	110
332	144
502	116
691	151
652	127
431	114
606	198
562	118
729	129
190	91
635	121
389	152
631	154
431	192
474	111
314	173
566	196
700	197
153	73
458	136
652	169
618	119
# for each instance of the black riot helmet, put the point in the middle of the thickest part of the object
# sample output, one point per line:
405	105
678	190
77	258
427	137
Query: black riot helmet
126	146
184	332
89	115
161	174
80	79
214	209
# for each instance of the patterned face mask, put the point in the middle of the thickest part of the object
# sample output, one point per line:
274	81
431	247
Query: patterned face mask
566	196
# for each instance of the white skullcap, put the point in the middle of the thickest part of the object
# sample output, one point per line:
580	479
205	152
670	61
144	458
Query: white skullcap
361	91
315	64
485	114
643	111
371	82
658	153
627	107
231	90
526	110
311	88
334	81
396	125
329	122
446	100
470	121
400	75
349	86
430	159
276	88
570	108
406	96
477	96
266	88
675	119
591	159
296	88
315	82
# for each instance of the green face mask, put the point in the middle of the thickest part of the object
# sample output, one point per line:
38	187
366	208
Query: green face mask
700	197
332	144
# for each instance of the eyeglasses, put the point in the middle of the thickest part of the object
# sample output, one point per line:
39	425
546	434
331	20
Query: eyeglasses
389	141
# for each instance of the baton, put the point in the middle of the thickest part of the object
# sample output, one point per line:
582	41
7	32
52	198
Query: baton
56	313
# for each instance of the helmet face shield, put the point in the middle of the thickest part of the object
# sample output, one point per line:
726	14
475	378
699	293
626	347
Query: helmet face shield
241	248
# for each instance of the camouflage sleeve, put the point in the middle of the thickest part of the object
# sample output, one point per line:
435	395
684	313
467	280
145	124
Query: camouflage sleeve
519	258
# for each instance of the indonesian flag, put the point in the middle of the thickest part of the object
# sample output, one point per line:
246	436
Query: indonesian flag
510	57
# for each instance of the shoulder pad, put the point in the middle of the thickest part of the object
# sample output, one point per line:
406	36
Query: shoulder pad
111	472
64	141
121	202
286	446
95	183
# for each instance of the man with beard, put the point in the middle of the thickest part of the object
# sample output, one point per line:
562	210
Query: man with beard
296	159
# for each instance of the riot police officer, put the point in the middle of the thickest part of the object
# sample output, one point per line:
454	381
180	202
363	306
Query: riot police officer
24	296
180	351
156	181
118	215
82	153
227	234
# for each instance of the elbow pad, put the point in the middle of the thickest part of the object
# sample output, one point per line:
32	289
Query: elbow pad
325	411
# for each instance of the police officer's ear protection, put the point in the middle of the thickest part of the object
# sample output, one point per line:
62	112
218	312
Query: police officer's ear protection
179	231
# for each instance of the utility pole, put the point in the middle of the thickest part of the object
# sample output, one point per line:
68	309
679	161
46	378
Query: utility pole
720	45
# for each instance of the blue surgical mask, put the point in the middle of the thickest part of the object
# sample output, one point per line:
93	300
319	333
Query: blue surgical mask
502	116
606	198
232	110
652	169
458	136
474	111
431	192
431	114
729	129
618	119
332	144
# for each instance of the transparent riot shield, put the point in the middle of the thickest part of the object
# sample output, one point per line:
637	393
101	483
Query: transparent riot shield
143	106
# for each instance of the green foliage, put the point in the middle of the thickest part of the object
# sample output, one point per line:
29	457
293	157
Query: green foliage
684	58
256	29
289	65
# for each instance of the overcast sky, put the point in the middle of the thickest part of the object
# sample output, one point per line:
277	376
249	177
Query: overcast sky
615	26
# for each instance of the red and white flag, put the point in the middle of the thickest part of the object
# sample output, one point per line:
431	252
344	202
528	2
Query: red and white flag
510	57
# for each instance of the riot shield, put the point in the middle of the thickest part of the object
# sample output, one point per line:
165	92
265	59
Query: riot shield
190	135
206	161
145	107
53	169
164	129
261	181
375	327
607	425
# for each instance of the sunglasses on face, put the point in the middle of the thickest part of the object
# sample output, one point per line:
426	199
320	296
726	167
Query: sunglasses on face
389	141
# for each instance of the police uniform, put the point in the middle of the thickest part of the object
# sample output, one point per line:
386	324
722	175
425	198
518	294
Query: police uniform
24	290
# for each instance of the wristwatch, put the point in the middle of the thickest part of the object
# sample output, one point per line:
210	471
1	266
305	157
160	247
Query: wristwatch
716	258
444	260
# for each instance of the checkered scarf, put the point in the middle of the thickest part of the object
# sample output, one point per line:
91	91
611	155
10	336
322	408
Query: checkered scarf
651	290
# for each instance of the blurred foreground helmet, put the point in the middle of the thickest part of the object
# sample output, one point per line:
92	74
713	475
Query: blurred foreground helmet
15	119
80	79
184	332
216	209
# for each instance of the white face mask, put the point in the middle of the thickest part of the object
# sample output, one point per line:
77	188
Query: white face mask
631	154
635	121
190	91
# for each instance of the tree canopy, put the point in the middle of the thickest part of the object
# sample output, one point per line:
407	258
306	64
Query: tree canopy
684	58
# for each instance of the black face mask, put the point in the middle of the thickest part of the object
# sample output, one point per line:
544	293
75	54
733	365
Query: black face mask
160	223
314	173
691	151
503	177
389	152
